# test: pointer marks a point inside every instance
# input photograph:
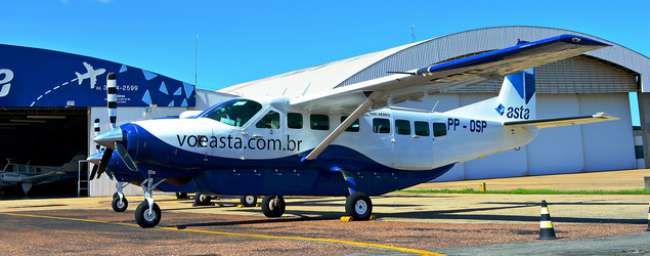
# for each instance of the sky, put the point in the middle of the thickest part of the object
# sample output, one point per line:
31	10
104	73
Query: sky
240	41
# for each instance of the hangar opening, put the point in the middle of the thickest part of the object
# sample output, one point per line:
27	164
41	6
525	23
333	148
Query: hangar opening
43	147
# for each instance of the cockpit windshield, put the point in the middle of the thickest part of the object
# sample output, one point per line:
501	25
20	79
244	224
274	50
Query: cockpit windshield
233	112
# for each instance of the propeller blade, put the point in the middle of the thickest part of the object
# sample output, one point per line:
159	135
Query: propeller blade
104	162
93	172
124	154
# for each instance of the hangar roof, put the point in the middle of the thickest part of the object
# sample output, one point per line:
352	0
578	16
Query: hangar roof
423	53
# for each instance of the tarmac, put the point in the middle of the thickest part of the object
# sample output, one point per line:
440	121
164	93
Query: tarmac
407	224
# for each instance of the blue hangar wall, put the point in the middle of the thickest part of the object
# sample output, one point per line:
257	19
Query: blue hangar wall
32	77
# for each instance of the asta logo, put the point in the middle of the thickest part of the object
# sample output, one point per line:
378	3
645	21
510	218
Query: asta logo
6	76
520	112
500	109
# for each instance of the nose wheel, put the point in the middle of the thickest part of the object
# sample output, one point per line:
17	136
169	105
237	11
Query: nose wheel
120	204
358	206
273	206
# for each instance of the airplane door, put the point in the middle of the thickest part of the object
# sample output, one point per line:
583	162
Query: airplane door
413	147
264	137
441	150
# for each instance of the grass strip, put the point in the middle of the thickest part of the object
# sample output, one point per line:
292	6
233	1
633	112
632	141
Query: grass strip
523	191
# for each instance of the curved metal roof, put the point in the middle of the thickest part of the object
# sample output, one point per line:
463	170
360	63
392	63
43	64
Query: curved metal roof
423	53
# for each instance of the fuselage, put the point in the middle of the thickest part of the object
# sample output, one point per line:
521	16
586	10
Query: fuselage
261	147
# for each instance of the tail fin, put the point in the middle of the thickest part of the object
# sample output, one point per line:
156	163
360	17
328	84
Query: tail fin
516	101
79	79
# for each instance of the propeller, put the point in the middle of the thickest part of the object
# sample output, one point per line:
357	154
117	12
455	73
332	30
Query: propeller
104	162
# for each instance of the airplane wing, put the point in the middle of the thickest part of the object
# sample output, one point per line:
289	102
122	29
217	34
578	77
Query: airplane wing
402	85
89	68
93	81
558	122
452	73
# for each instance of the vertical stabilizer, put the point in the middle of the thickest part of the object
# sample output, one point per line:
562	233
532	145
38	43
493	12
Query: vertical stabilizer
516	101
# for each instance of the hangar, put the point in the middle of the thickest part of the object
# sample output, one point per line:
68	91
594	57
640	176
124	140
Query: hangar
586	84
49	101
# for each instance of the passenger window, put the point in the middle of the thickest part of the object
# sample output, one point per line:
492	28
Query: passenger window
439	129
421	128
403	127
270	121
380	125
294	120
319	122
354	127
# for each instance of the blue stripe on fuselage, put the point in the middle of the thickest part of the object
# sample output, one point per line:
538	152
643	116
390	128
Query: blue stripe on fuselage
284	176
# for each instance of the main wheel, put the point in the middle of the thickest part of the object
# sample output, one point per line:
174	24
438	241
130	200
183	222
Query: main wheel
248	200
202	199
181	195
119	205
358	206
273	206
146	217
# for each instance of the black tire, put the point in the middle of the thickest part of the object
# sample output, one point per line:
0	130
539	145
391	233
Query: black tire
248	200
273	206
144	219
202	199
358	206
181	195
119	206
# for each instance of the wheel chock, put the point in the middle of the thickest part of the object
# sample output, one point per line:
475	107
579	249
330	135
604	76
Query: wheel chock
350	219
240	206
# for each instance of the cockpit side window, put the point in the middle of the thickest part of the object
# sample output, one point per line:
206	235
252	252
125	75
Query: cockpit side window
234	112
270	121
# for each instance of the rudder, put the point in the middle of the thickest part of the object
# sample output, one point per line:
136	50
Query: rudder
516	100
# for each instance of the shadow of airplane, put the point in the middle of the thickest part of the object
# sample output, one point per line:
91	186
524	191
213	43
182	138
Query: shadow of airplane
562	203
454	214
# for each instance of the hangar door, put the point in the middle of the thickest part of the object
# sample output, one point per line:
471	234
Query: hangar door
44	146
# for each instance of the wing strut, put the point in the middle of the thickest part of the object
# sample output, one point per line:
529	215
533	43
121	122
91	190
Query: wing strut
358	112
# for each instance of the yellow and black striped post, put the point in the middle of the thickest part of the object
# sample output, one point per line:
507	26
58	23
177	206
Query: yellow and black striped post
546	230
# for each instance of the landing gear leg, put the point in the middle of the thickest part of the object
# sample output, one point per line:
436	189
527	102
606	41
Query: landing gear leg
148	213
120	204
181	195
358	206
273	206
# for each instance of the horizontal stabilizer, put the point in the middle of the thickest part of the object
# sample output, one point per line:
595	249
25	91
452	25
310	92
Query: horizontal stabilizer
557	122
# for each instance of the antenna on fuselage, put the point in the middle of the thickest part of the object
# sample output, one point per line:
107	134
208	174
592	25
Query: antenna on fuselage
306	88
435	105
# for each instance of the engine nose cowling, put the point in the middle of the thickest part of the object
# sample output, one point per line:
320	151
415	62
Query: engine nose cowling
131	139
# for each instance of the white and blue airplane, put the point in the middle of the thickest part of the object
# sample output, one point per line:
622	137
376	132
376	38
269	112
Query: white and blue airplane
350	141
